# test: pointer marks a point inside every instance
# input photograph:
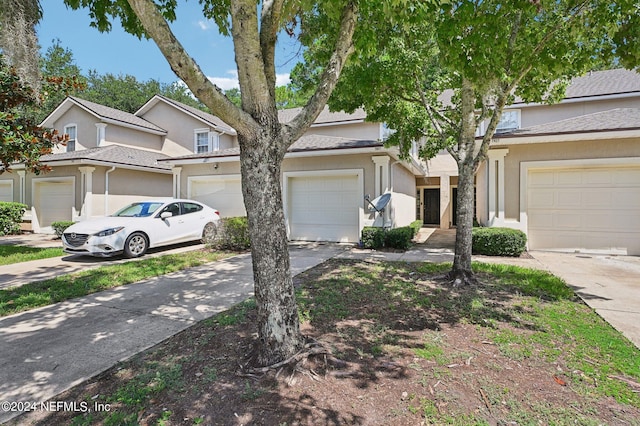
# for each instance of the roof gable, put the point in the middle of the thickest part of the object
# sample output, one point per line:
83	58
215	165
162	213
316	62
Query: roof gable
208	119
103	113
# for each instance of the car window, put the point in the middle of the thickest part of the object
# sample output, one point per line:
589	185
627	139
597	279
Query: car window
191	208
173	208
144	209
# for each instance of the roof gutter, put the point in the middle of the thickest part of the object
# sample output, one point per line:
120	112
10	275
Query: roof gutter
565	137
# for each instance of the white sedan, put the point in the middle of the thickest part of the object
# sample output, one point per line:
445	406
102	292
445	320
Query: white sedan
140	226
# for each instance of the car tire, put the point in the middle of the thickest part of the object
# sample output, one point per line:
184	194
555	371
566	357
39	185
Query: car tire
136	245
208	233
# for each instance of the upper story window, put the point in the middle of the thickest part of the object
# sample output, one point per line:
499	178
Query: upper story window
206	141
509	121
72	131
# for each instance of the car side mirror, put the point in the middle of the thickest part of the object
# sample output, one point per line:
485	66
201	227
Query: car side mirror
165	215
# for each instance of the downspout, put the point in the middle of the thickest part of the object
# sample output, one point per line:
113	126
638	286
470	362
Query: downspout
106	190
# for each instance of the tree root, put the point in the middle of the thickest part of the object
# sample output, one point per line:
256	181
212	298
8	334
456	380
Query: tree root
460	278
296	363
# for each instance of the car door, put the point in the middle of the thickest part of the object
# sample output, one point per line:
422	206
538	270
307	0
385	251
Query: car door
196	218
172	229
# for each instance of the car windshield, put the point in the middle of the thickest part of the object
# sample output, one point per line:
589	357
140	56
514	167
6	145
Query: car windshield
143	209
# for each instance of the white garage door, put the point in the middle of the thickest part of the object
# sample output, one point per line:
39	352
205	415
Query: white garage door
6	191
587	209
222	194
324	207
53	201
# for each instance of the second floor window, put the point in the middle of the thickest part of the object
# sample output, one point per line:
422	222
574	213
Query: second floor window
72	131
206	141
509	121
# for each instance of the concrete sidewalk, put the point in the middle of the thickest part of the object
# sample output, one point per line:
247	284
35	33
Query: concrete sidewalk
48	350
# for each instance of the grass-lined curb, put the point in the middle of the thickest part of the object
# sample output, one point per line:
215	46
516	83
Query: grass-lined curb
65	287
17	254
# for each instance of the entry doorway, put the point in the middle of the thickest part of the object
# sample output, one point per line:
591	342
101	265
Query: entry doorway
431	206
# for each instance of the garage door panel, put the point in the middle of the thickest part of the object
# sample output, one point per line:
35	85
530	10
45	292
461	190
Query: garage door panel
324	207
53	201
6	191
585	209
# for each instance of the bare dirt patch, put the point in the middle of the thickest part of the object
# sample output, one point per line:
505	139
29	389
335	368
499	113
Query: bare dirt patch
409	351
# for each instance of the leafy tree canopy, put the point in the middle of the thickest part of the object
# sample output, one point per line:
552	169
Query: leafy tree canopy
21	140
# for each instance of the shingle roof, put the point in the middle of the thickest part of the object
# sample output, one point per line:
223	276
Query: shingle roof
105	112
610	120
204	116
304	144
326	116
115	154
599	83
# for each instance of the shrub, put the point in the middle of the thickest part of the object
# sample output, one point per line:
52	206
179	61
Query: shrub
11	217
232	233
373	237
59	227
399	238
498	241
415	226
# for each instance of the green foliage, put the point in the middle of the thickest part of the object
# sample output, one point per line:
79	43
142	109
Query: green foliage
21	139
415	226
232	233
498	241
60	226
372	237
11	217
399	238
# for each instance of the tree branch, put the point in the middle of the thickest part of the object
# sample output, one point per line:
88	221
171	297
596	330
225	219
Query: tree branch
330	75
270	22
186	68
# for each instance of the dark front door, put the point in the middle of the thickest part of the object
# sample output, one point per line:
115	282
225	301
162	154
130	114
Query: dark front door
432	206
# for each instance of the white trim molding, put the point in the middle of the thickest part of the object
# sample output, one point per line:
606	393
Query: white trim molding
495	168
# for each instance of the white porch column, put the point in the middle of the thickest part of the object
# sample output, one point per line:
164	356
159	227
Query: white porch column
382	183
495	166
23	196
445	201
176	181
86	191
101	133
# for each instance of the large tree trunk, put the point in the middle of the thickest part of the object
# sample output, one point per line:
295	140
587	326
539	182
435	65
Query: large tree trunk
461	272
278	325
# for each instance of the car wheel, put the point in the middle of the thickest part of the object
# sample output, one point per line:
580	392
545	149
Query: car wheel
136	245
208	233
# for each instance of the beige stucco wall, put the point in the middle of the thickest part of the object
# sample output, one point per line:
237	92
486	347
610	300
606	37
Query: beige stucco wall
87	134
403	199
117	135
616	148
367	131
180	130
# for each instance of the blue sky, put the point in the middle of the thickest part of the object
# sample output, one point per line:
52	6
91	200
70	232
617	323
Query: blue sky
118	52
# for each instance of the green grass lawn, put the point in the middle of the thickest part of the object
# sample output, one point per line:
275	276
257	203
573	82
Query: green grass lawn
17	254
65	287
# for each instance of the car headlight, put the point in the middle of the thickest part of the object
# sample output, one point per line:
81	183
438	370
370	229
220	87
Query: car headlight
109	231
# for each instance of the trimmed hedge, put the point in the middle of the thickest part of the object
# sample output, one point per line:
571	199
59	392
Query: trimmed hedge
498	242
59	227
232	233
11	217
375	238
415	226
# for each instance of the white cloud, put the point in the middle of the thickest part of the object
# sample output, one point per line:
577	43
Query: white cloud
204	25
226	83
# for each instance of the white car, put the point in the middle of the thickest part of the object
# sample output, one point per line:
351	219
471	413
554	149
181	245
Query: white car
140	226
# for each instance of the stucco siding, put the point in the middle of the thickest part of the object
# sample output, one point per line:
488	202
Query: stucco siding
87	134
403	199
116	135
